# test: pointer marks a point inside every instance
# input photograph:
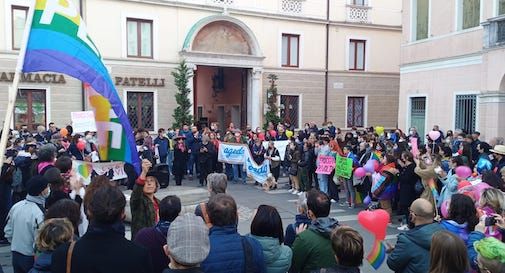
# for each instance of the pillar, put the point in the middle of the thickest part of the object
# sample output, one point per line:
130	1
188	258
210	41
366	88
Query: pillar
256	111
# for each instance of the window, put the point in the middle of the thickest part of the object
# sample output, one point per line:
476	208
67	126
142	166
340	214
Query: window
139	38
290	110
501	7
355	111
418	115
140	107
359	2
18	17
469	14
30	108
420	23
466	112
290	54
357	55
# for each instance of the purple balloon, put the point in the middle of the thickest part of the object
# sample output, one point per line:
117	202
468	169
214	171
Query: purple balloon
463	172
367	200
369	167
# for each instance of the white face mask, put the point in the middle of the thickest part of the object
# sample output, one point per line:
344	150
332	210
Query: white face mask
47	193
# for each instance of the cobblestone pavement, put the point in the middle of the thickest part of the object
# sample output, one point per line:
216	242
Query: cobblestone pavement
249	197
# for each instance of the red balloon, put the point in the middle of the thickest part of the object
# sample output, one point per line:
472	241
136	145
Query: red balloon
375	221
273	133
81	145
261	136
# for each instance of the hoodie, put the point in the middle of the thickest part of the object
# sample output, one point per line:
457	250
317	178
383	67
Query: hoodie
42	263
459	229
290	235
412	250
312	248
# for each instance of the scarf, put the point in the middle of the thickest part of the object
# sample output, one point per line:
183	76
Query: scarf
42	165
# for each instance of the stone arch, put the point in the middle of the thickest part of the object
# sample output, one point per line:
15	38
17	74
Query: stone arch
222	34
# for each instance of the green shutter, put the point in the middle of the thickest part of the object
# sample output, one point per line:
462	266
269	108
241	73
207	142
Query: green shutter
471	13
422	19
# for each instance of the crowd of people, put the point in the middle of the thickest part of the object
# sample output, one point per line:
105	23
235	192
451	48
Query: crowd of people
451	222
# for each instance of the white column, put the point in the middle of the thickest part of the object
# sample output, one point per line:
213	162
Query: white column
256	110
191	95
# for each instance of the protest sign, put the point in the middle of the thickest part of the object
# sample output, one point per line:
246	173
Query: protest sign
343	167
281	146
83	121
326	164
257	172
232	153
88	170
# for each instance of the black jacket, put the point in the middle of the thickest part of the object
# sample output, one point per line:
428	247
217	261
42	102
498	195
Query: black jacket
103	251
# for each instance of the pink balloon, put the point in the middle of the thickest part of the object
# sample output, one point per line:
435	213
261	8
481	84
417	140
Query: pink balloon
81	145
273	133
261	136
463	172
434	135
360	172
444	209
375	221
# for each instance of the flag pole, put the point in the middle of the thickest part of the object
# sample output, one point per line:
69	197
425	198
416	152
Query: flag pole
13	90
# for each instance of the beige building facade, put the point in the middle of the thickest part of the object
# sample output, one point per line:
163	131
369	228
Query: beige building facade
335	60
452	71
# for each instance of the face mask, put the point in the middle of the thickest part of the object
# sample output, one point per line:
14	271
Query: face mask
88	137
411	132
47	194
411	222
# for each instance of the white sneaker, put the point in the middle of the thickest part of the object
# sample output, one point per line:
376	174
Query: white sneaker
300	193
291	190
295	192
333	201
403	228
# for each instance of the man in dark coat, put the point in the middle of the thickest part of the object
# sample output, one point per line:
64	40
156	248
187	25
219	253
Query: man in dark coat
103	248
206	153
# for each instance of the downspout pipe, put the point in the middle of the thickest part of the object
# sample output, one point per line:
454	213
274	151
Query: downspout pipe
326	64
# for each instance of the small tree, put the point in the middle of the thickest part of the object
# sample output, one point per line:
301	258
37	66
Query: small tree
182	114
272	114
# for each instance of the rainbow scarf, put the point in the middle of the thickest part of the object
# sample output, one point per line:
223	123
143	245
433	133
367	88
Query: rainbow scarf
433	188
58	42
378	254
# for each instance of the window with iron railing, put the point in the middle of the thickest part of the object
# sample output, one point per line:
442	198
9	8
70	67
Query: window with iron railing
291	6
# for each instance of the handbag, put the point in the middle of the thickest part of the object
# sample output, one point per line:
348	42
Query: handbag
69	257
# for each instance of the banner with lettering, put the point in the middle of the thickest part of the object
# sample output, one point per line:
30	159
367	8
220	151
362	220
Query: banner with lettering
257	172
232	153
343	167
83	121
88	170
281	146
326	164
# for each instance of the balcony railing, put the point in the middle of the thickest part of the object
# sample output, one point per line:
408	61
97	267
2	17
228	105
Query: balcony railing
494	32
358	14
220	2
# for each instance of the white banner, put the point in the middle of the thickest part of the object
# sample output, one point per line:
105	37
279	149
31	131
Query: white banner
281	146
88	170
232	153
83	121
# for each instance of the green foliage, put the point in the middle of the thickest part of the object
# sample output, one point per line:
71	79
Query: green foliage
272	114
182	114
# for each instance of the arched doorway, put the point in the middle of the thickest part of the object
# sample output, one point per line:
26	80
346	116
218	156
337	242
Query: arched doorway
227	64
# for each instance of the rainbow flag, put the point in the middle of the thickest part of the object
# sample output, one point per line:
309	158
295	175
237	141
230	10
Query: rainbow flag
59	42
378	254
377	156
433	188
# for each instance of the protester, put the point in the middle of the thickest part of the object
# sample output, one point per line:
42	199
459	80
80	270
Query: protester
312	246
266	227
162	144
68	209
105	236
448	254
24	219
205	156
347	244
230	252
143	204
154	238
180	159
217	183
56	184
300	218
462	217
187	244
272	154
293	155
407	182
491	255
411	254
53	233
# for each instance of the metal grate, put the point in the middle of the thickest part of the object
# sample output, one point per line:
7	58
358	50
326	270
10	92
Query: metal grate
466	112
290	110
358	14
355	111
221	2
418	114
291	6
140	107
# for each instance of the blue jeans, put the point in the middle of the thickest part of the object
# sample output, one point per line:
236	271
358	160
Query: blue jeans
229	171
192	162
350	192
170	160
243	174
323	182
21	263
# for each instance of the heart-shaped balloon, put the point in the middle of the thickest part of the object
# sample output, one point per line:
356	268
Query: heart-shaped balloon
85	170
375	221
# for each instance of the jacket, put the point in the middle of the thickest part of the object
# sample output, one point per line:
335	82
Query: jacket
277	257
312	248
42	263
153	239
458	229
23	221
412	250
227	253
103	249
407	180
290	235
343	269
142	208
473	237
450	187
425	175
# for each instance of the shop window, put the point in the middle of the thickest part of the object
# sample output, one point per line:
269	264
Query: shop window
18	17
290	50
140	108
30	109
139	38
355	111
357	54
466	112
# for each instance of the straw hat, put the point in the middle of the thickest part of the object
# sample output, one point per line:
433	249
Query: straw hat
498	149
